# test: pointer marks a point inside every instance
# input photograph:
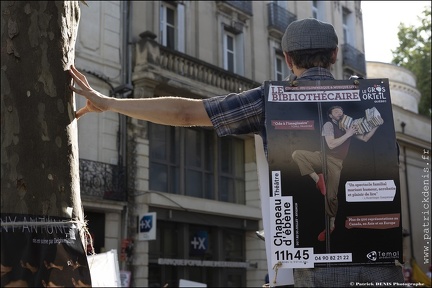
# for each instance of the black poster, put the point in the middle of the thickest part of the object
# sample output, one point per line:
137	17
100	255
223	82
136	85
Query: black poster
42	251
333	174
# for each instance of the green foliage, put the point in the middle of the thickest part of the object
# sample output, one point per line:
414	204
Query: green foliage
414	54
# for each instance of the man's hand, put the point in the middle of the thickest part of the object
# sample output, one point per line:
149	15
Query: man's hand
352	130
167	110
96	102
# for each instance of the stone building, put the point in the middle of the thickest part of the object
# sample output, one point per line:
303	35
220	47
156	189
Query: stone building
204	189
413	133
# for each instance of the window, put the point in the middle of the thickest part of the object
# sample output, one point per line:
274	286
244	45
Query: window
346	25
231	170
96	227
281	68
282	4
165	156
166	246
199	163
197	242
229	52
233	245
196	162
233	49
318	10
167	25
315	9
172	26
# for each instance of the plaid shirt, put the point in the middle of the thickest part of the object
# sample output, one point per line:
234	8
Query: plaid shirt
244	113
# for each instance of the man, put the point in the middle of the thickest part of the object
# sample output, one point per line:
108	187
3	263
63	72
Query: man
310	48
337	142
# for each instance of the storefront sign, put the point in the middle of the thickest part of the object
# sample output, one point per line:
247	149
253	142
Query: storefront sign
204	263
198	243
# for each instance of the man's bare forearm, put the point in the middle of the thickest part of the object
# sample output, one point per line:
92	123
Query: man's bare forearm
172	111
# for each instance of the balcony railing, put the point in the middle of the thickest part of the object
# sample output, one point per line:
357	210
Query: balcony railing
354	59
102	181
243	6
195	69
154	61
278	17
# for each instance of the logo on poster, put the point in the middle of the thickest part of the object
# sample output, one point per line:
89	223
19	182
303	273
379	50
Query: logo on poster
375	93
372	256
378	255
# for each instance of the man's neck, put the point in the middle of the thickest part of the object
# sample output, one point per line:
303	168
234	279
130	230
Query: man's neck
298	71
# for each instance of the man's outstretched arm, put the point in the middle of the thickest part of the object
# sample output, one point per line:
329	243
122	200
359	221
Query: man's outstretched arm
174	111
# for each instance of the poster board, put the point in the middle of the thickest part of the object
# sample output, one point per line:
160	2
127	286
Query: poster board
368	227
284	276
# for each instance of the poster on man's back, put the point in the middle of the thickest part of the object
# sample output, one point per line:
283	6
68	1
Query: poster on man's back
333	174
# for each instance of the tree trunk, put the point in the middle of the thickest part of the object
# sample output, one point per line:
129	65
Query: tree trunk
39	152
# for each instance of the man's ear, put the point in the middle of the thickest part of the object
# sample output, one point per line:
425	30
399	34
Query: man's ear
334	55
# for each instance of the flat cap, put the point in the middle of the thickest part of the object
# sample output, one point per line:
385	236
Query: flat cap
309	34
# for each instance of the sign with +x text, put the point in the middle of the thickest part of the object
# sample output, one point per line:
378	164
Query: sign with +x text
147	226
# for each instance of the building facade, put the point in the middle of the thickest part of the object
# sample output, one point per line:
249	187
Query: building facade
413	133
204	189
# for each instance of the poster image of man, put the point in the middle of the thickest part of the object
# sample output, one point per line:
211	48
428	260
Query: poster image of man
337	143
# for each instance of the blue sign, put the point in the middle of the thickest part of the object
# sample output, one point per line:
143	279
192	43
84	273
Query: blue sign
146	223
199	243
147	226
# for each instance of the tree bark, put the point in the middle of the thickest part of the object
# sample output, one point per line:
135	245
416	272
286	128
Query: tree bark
39	146
39	133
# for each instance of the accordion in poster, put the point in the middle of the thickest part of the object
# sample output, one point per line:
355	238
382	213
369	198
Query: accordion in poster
333	174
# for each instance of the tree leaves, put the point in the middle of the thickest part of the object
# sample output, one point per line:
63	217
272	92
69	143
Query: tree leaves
414	54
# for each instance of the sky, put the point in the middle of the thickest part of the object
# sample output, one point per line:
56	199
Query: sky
380	23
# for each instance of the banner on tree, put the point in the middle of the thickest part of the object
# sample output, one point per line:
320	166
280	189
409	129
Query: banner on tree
42	251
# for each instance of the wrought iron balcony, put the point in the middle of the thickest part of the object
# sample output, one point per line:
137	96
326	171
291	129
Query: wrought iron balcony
354	59
278	19
102	181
